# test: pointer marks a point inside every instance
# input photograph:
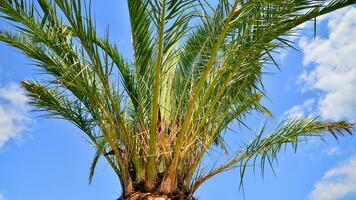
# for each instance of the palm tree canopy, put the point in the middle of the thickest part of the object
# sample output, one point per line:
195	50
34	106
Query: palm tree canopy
197	67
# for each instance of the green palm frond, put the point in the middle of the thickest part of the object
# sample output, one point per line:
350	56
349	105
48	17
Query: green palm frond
266	148
93	165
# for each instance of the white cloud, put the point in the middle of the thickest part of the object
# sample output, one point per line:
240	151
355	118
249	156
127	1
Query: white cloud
335	71
2	197
299	111
333	151
336	183
13	113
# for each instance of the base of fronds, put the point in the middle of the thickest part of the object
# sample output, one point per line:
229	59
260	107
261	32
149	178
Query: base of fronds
152	196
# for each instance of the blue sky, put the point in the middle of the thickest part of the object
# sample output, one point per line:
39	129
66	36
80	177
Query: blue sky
44	159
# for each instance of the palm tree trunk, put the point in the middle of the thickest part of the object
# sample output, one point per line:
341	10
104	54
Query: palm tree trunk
157	196
146	196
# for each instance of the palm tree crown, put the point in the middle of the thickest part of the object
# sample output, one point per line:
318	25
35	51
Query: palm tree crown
197	67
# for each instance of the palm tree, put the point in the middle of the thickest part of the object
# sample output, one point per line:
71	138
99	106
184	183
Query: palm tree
196	68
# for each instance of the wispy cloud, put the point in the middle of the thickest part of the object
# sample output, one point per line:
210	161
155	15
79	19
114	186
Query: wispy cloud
299	111
335	71
333	151
13	113
2	197
336	183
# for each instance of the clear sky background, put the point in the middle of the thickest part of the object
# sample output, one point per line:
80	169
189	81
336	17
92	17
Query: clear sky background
43	159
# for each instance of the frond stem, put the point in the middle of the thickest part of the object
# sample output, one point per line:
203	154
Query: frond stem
151	167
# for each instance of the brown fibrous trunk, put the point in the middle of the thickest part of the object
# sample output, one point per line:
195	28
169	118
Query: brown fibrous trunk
146	196
152	196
